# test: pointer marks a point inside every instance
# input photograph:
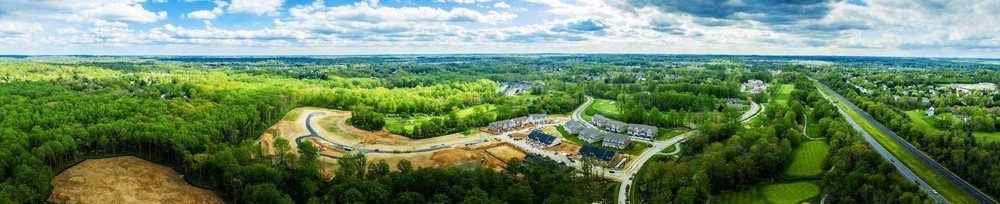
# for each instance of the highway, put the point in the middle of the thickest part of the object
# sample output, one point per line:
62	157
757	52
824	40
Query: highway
965	186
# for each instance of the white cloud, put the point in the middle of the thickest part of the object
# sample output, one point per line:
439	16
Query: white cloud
258	7
68	31
80	11
123	11
365	13
891	27
463	1
205	14
502	5
15	28
552	3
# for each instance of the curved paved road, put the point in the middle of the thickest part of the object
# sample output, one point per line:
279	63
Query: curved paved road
583	107
313	134
658	147
968	188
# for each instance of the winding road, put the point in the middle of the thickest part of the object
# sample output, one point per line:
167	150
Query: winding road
966	187
348	148
658	146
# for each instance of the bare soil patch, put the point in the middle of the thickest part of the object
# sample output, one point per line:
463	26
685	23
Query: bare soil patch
566	147
492	155
125	179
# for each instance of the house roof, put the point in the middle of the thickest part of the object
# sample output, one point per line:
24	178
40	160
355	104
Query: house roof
616	138
572	125
591	131
597	153
598	118
616	123
500	123
541	137
642	127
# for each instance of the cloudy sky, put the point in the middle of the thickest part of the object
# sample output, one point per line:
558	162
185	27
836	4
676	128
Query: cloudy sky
278	27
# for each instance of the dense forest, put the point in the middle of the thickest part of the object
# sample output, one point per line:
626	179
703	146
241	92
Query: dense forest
203	122
729	156
201	116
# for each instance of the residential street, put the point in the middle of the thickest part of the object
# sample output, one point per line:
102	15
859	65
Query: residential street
659	146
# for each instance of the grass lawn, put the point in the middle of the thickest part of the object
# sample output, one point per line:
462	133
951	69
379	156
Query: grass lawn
807	159
570	137
670	133
635	148
401	125
473	109
986	137
604	107
292	115
749	196
784	93
790	192
944	187
669	149
795	192
924	121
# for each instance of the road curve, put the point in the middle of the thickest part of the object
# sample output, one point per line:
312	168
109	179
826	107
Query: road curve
623	192
314	134
579	110
965	186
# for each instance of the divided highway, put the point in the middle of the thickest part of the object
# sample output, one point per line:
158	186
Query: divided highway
951	177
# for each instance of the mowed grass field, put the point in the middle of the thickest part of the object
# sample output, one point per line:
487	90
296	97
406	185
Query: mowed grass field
784	93
807	159
923	121
781	193
944	187
670	133
604	107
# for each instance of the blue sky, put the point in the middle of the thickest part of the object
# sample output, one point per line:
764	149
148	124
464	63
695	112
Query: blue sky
289	27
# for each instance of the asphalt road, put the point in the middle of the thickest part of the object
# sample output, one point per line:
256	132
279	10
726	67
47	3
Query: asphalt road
313	133
659	146
579	110
965	186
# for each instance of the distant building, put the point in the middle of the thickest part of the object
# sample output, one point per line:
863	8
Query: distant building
616	141
930	111
591	135
539	139
608	124
599	120
597	154
502	126
520	121
925	100
753	86
538	119
963	117
640	130
511	124
735	103
573	127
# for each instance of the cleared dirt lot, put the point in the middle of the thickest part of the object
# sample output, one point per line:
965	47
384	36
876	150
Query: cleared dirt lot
125	179
490	155
332	125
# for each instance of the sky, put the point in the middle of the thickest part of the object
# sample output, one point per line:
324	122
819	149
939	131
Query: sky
938	28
